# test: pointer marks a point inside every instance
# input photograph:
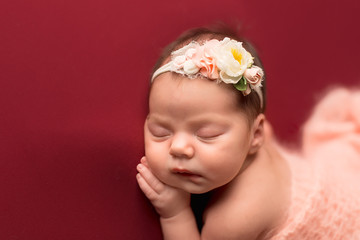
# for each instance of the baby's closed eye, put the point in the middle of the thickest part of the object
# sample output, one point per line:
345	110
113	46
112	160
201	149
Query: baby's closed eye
209	133
159	131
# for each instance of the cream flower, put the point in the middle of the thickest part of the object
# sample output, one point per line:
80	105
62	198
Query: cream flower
254	75
232	60
190	68
178	62
185	61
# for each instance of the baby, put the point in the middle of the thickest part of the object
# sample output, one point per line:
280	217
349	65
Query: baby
206	132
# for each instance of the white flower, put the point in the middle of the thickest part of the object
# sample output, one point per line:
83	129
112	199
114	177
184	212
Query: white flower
254	75
232	60
178	62
190	67
183	63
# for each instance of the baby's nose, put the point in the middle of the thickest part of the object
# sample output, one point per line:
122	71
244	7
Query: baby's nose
182	146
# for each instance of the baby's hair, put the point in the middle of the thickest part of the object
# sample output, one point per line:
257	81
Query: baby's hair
250	104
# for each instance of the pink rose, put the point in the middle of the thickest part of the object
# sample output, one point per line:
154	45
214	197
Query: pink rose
208	67
205	60
254	75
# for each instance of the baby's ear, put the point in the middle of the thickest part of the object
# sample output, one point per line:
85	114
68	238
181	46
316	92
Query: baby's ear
257	134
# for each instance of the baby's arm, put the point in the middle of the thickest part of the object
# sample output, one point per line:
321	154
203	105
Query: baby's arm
172	204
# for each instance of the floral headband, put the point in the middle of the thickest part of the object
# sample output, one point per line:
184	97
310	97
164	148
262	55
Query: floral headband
225	61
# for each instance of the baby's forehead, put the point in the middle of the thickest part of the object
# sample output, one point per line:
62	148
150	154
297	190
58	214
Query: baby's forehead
178	82
178	89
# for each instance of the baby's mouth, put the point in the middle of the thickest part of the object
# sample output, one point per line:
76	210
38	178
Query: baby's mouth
185	173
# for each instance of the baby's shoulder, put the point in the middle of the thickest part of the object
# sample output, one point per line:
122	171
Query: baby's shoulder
233	221
239	219
251	207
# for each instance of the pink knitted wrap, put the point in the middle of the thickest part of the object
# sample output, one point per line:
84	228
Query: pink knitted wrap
325	201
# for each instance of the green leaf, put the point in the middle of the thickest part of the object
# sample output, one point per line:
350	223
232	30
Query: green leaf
241	85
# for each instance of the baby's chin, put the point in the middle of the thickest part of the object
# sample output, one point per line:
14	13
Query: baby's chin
190	184
193	189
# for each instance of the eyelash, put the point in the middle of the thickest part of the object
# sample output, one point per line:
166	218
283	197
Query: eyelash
159	132
209	136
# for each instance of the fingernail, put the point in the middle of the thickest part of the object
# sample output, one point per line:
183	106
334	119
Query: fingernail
139	166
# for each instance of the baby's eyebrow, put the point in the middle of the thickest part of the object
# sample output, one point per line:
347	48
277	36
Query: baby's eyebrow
209	119
156	118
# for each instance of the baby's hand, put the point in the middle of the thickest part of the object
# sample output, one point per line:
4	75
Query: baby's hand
168	201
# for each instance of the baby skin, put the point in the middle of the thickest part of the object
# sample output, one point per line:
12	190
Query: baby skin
197	140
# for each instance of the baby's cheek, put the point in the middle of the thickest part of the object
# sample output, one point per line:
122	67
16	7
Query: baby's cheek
150	149
159	170
154	158
157	155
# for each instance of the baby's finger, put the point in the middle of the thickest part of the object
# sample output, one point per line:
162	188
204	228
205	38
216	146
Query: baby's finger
144	161
151	180
147	190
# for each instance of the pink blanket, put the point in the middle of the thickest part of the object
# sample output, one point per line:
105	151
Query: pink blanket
326	172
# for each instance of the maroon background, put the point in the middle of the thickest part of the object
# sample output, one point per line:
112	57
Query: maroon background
73	83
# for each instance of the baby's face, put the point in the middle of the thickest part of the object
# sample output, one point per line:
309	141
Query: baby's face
195	137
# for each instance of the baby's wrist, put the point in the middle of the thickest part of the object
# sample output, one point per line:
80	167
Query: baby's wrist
183	213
